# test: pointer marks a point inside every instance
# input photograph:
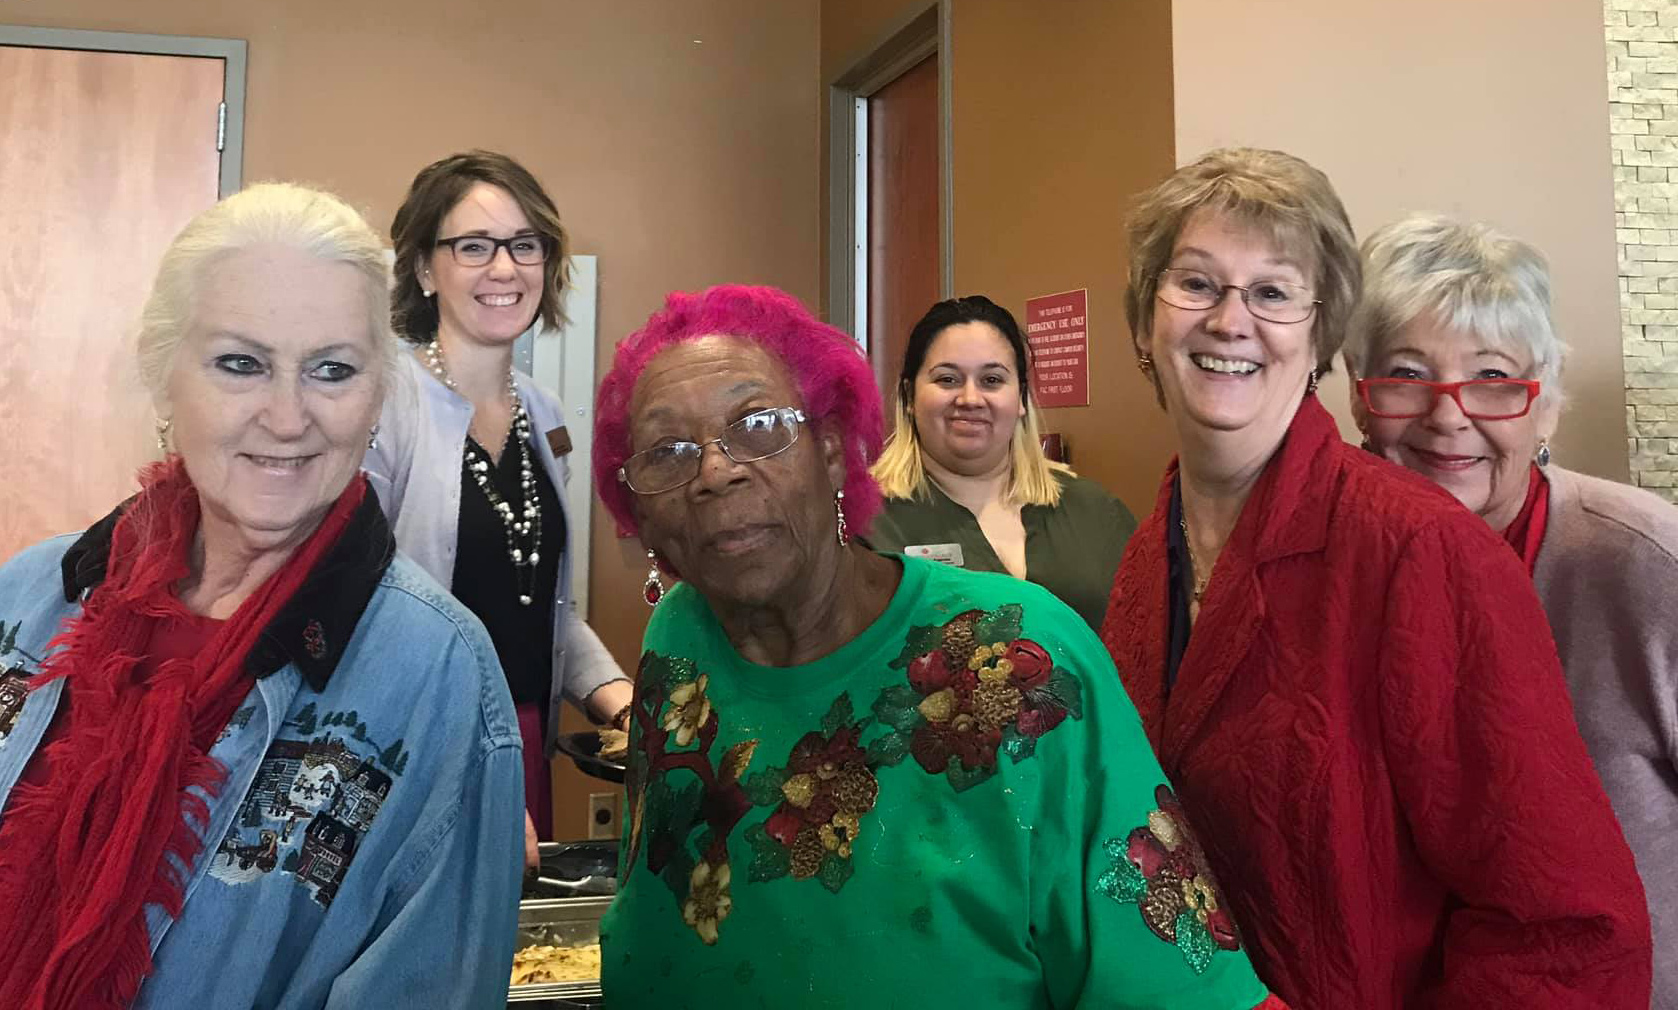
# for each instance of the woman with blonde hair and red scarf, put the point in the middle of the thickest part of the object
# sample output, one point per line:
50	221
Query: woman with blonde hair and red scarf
249	756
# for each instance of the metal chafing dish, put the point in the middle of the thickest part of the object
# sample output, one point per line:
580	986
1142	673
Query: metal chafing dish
562	907
574	870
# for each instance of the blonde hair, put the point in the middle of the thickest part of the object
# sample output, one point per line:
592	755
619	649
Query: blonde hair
1277	193
279	213
901	473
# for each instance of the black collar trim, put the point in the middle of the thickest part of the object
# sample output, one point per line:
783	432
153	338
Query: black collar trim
315	626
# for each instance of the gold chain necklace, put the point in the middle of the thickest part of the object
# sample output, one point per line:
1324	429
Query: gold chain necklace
1194	565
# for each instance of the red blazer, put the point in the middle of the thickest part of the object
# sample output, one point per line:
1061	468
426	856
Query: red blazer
1372	736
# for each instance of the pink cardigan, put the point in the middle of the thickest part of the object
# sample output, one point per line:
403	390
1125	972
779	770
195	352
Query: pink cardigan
1607	575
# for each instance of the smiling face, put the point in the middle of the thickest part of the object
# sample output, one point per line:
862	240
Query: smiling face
1485	464
967	399
1223	368
272	392
490	304
744	534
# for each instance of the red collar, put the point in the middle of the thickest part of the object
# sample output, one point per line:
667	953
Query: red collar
1294	483
1526	533
1300	482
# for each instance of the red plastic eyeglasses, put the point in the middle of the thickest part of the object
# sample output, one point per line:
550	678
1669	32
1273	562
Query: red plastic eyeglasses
1480	399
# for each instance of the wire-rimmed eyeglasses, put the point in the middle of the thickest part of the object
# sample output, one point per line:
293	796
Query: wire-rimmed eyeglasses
1272	301
759	435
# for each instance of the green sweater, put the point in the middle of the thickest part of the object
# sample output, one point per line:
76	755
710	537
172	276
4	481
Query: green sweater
958	808
1071	549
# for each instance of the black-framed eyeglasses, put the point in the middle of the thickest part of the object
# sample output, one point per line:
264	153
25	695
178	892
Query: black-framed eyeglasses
1272	301
1480	399
479	250
759	435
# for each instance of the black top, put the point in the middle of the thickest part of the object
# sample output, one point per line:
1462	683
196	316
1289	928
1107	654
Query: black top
1177	598
486	582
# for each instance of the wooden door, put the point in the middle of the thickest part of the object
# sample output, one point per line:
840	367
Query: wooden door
103	157
903	244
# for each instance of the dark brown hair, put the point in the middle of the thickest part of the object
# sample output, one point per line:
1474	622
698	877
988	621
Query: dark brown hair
414	232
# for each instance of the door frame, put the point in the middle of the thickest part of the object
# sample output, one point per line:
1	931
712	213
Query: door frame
232	53
922	33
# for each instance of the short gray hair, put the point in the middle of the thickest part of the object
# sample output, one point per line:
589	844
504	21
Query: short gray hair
297	217
1465	275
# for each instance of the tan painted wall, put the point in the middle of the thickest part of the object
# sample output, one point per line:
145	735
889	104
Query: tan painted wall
1495	109
679	164
1057	121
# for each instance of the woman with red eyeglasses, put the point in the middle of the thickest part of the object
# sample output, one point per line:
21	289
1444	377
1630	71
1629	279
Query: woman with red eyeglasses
1460	381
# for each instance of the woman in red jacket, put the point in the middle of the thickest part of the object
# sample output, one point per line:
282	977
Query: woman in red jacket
1354	690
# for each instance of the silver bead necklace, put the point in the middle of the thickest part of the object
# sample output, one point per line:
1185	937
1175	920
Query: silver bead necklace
523	525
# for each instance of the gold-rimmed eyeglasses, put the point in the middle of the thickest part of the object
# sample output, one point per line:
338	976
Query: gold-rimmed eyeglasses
1272	301
667	466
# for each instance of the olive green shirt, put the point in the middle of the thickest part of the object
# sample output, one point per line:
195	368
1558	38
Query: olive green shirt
1071	549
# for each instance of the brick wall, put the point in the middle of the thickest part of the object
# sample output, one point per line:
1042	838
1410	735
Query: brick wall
1643	116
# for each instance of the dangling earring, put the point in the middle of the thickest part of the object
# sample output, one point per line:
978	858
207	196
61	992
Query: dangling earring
373	438
653	589
1311	382
163	435
839	513
1145	364
1543	455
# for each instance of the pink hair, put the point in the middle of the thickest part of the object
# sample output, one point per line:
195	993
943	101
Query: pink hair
833	377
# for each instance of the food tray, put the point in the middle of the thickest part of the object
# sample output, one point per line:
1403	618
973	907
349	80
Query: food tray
584	751
566	922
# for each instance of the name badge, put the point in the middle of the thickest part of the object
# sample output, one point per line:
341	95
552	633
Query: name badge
944	554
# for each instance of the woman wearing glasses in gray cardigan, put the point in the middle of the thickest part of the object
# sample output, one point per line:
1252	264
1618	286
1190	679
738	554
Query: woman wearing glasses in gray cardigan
1458	377
472	458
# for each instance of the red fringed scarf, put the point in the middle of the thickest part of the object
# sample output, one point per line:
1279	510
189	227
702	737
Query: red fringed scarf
84	849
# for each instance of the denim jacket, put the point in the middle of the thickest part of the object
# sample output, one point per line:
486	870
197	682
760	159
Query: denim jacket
366	848
414	466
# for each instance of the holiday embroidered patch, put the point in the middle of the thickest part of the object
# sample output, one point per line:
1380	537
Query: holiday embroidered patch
820	797
310	805
1161	869
674	726
14	679
975	687
14	691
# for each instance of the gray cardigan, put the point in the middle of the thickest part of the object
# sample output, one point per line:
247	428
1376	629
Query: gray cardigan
415	469
1607	574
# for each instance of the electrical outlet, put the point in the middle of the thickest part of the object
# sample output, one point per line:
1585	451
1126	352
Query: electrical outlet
604	809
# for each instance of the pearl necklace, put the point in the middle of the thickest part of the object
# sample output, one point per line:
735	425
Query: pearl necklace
524	526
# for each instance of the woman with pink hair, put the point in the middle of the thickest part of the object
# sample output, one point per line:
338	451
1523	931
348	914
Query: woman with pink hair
858	778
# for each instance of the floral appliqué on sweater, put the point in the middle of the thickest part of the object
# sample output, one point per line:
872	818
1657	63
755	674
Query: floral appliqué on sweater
975	688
